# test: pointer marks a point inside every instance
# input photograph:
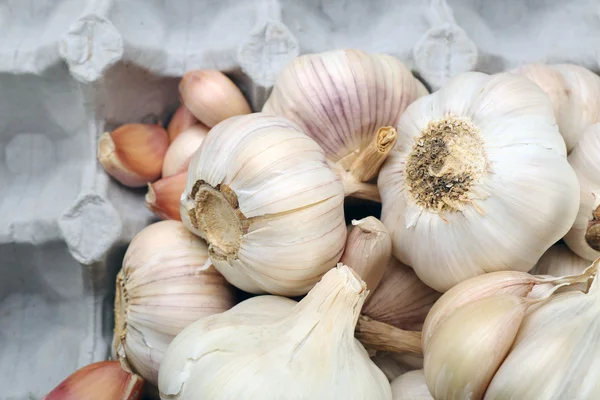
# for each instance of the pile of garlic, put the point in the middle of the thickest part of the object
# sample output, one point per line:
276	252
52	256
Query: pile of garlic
478	183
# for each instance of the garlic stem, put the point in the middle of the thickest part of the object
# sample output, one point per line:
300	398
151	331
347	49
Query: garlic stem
383	337
366	166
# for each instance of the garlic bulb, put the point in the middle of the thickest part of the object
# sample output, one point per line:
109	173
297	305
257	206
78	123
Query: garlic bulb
260	192
348	101
368	250
520	284
180	122
181	150
104	380
469	345
555	354
310	352
575	95
559	260
401	299
478	180
211	96
133	154
411	386
584	236
165	285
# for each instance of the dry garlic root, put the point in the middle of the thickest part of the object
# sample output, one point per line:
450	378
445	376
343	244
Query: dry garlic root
474	329
165	285
574	92
349	102
262	195
584	236
308	353
478	181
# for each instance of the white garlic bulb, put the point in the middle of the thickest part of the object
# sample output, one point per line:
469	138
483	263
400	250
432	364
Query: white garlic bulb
310	353
559	260
164	285
478	180
341	99
262	195
575	95
584	236
411	386
555	354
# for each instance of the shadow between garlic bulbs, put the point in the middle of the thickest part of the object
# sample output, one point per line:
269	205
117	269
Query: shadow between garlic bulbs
478	180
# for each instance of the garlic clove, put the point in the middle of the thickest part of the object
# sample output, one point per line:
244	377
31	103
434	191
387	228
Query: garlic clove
211	96
555	354
411	386
164	196
468	346
181	150
368	250
105	380
310	351
343	99
492	129
180	122
260	192
166	283
401	299
584	237
133	153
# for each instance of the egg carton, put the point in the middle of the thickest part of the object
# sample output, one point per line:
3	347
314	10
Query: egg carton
71	69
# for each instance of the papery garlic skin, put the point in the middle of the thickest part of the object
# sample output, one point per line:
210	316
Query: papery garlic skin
181	150
468	346
584	237
499	194
555	354
165	285
411	386
260	192
575	95
308	354
559	260
341	99
164	196
401	299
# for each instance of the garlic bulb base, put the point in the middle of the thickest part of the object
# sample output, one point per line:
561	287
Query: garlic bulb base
592	233
366	166
380	336
444	162
217	214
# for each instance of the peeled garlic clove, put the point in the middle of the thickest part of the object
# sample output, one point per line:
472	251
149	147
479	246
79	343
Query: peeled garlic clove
559	260
456	182
555	354
575	95
584	236
310	352
401	299
133	153
104	380
260	192
165	285
368	250
164	196
180	122
211	96
181	150
468	346
520	284
348	101
411	386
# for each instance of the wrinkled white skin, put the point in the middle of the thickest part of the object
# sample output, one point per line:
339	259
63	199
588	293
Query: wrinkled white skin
284	187
309	353
555	354
527	198
585	160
